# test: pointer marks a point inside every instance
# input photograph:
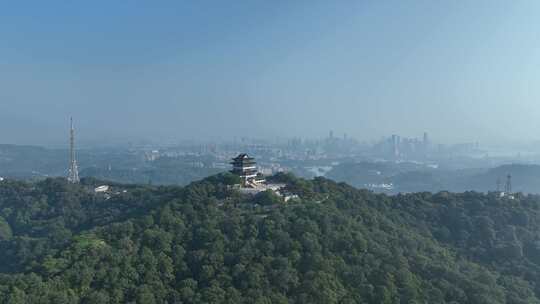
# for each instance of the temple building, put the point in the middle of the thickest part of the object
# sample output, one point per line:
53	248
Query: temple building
245	167
254	182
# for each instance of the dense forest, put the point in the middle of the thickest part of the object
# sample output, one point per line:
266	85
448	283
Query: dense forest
207	243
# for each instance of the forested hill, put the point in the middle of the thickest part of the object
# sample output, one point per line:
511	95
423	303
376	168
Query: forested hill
207	243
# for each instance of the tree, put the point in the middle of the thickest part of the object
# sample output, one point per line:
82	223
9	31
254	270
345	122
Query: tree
267	198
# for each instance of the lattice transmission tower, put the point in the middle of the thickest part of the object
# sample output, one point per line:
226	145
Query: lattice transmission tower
73	172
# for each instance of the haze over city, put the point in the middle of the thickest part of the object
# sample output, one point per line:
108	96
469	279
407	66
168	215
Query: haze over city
321	152
209	70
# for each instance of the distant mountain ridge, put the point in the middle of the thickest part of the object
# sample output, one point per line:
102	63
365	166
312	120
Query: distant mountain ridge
416	178
525	178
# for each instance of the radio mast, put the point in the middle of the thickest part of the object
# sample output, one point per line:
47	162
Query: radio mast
73	173
508	186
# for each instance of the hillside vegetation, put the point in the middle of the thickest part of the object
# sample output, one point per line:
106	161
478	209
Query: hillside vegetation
206	243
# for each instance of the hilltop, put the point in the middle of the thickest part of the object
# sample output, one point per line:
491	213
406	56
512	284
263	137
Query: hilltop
208	243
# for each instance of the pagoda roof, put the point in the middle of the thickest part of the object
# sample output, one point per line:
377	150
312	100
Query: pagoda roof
243	156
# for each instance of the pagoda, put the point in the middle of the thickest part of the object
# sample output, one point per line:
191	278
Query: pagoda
244	166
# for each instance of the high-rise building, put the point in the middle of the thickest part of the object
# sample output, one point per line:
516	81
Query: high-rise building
73	172
395	145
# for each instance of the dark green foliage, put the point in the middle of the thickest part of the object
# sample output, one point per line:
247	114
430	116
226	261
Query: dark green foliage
225	178
204	243
5	230
267	198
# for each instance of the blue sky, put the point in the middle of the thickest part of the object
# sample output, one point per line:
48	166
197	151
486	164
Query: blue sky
185	69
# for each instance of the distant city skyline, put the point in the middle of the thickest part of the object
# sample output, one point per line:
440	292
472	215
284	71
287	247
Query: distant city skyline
93	141
170	71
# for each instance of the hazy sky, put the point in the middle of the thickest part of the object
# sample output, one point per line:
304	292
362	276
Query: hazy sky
168	70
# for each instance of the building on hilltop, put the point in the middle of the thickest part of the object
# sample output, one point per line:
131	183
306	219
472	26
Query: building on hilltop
253	182
245	167
507	193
